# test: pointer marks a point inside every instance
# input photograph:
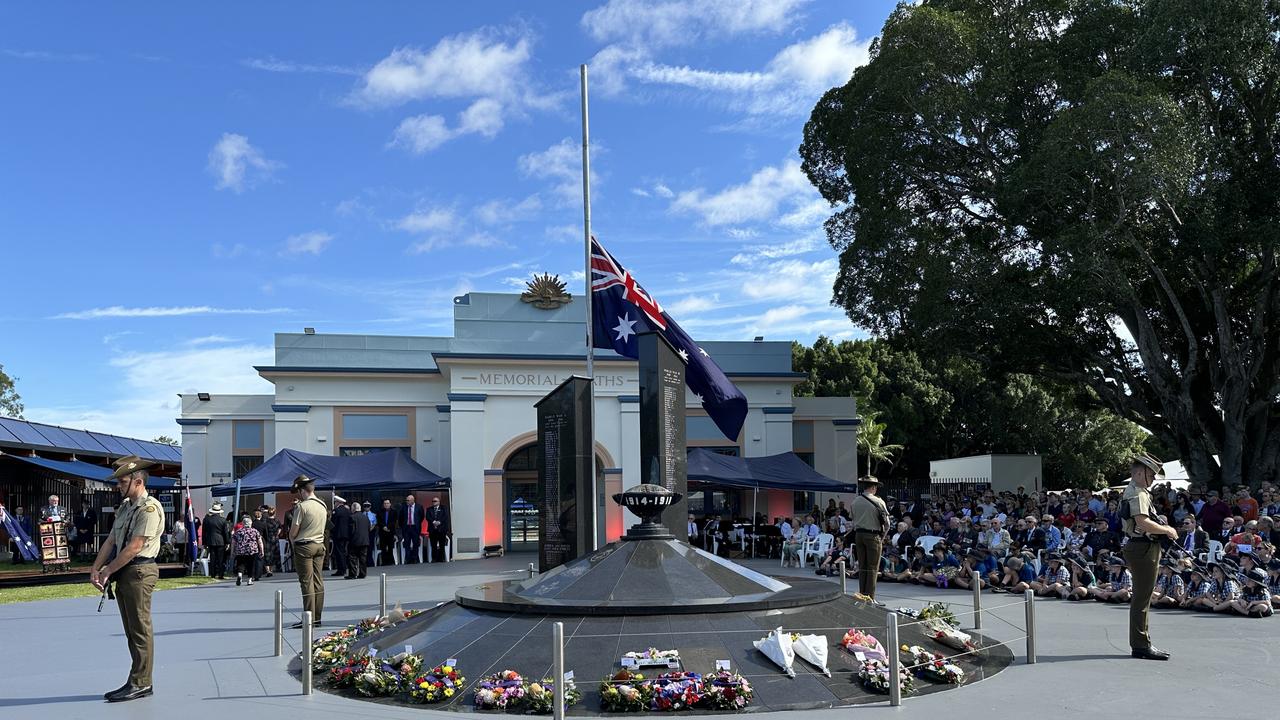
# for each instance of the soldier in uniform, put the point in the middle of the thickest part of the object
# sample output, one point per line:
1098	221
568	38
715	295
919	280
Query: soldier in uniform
1142	553
128	558
306	533
870	524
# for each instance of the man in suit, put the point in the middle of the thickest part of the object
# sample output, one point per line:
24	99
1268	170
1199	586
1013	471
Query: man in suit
386	534
86	523
438	529
356	567
342	532
216	537
1192	539
409	521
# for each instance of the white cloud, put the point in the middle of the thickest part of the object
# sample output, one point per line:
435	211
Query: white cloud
756	200
691	304
229	252
429	220
762	253
209	340
564	233
477	64
423	133
45	55
503	212
808	215
561	164
484	116
742	233
236	164
118	311
309	243
274	64
640	192
661	23
150	382
792	280
663	191
789	84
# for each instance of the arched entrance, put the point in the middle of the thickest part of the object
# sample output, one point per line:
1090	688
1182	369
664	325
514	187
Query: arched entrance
520	497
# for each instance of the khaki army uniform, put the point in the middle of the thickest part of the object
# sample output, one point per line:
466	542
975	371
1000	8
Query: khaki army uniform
870	523
136	581
1142	554
310	516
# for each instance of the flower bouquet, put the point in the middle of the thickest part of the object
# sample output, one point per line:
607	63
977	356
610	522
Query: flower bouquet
813	649
856	641
777	647
725	690
947	635
934	666
331	650
499	691
539	700
874	675
624	691
653	656
679	690
344	673
439	683
938	611
387	677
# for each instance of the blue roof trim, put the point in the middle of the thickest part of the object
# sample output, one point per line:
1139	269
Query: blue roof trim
489	472
193	421
613	471
628	398
467	397
291	408
610	357
779	410
847	422
373	371
443	408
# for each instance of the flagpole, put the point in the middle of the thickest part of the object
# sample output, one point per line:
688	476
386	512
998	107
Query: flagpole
586	241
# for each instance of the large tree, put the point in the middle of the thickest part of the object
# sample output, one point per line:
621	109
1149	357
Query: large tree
10	401
1082	190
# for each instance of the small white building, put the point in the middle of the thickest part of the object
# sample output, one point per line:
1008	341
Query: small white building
464	408
1001	473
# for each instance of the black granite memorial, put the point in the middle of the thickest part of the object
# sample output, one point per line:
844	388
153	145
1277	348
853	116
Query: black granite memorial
663	458
566	513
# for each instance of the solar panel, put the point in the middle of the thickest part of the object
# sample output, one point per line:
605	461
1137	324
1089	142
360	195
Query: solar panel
6	436
135	447
25	432
175	452
84	440
111	443
154	450
56	436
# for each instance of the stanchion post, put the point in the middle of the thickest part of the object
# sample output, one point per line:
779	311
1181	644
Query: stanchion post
279	640
844	580
557	669
382	595
1031	627
895	686
977	602
532	572
306	652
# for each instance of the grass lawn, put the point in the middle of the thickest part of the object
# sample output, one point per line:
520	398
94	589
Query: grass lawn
84	589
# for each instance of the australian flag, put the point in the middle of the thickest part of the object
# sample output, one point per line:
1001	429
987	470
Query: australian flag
189	519
621	309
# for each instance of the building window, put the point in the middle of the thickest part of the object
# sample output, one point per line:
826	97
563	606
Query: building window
247	435
523	459
244	464
358	451
802	436
360	426
804	502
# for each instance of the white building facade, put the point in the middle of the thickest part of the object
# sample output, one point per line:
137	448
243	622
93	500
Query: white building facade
464	408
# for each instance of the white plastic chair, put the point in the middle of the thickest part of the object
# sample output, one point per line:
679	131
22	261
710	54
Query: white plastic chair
815	547
203	561
1215	552
927	542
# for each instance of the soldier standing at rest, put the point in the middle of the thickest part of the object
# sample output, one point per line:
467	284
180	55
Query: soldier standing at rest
870	524
128	558
1142	552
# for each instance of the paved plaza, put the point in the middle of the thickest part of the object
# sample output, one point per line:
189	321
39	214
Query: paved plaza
214	650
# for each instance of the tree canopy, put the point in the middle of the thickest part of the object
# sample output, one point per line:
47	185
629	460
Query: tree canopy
1084	191
10	401
934	408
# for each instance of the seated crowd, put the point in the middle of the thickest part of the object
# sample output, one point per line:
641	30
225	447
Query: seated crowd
1068	545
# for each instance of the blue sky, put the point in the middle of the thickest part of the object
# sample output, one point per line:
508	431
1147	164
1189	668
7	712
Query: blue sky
178	184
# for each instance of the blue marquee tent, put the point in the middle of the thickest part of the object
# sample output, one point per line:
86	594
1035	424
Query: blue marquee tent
784	471
382	470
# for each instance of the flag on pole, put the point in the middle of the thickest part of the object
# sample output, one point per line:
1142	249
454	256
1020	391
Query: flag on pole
189	519
621	309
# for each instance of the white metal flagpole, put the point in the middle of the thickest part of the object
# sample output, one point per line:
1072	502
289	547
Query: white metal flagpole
591	368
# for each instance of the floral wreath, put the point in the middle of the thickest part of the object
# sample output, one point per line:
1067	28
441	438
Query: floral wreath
624	691
539	696
497	692
874	675
934	666
439	683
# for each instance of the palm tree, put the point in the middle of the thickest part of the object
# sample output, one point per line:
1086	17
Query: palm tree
871	442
